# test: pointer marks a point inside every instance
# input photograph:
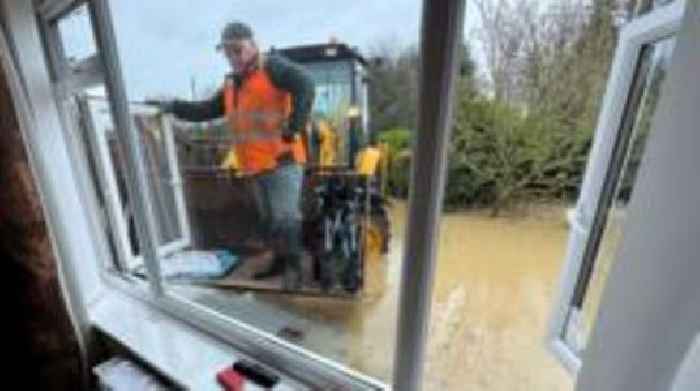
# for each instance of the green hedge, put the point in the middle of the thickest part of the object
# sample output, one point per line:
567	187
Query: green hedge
399	141
499	155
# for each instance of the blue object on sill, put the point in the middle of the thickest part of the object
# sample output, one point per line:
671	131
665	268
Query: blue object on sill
195	265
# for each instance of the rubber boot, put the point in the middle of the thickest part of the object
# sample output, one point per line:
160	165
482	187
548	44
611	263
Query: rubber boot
276	268
292	273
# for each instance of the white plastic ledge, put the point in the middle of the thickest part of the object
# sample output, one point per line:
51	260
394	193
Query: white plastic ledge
187	356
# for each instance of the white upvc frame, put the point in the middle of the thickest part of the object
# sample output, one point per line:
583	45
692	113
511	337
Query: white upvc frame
658	24
440	37
177	183
441	34
59	202
89	72
108	179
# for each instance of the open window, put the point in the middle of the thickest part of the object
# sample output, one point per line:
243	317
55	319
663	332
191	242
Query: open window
127	160
597	225
165	182
78	74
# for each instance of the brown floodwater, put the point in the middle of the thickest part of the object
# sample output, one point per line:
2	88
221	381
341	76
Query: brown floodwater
496	278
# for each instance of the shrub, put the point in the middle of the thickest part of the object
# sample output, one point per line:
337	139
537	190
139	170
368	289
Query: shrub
398	141
498	155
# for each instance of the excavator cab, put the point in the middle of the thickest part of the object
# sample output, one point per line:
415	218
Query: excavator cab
340	115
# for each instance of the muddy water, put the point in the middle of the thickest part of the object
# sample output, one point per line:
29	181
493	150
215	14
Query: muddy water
494	288
495	282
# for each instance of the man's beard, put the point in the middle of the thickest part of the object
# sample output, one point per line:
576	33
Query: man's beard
247	67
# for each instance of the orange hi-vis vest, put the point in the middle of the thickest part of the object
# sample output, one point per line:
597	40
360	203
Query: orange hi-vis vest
257	111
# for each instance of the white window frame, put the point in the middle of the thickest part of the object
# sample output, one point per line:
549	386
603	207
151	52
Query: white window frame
660	23
89	72
177	183
108	179
442	24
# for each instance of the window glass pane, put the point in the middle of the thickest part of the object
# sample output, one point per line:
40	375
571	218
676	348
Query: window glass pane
162	182
334	93
309	252
657	60
76	35
90	122
646	6
111	150
530	91
81	131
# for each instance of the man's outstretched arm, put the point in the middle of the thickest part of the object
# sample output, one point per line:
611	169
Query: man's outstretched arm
198	111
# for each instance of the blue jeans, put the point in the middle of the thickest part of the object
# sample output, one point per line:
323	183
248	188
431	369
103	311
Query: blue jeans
278	196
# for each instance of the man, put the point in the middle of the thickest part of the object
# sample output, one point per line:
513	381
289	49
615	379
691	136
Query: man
267	101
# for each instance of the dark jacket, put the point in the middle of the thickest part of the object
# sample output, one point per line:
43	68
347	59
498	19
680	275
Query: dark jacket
283	73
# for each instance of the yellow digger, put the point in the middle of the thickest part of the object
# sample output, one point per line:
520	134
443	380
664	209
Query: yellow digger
343	180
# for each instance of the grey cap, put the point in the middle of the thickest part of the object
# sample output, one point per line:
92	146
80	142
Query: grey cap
235	31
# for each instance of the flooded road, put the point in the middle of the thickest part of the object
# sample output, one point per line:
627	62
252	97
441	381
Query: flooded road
496	280
494	288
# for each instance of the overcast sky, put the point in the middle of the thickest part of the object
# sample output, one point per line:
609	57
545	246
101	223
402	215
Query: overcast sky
163	43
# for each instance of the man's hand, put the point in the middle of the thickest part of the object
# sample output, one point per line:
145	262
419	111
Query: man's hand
165	106
288	137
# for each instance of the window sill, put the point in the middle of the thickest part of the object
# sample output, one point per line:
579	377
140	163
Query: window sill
187	356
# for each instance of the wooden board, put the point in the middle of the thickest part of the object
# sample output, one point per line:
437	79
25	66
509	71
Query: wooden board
241	277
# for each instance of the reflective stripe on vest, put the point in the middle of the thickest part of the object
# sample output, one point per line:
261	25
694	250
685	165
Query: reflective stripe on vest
257	112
